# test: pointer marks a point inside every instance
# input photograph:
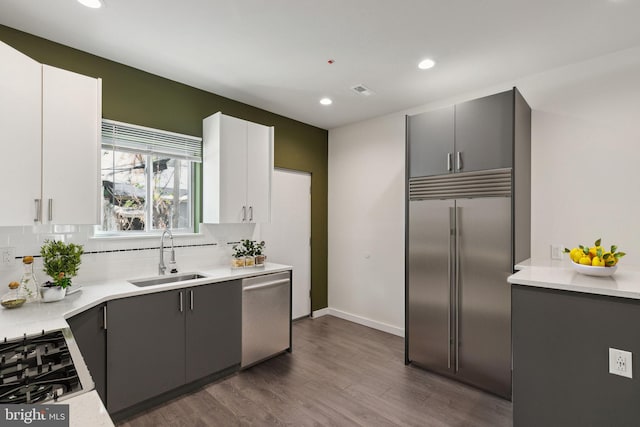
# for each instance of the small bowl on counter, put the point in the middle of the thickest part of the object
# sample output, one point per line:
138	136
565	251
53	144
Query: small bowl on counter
590	270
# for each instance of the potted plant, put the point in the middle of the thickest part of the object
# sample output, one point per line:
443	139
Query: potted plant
259	256
61	261
239	252
249	260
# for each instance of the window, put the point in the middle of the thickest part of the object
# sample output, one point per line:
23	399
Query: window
147	179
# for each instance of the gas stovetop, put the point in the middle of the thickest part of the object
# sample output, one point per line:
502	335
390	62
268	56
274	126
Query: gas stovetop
40	368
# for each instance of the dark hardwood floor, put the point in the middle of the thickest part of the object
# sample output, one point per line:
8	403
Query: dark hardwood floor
339	374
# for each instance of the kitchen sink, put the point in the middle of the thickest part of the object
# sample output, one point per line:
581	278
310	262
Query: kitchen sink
167	279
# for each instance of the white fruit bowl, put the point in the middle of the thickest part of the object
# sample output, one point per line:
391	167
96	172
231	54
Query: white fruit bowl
590	270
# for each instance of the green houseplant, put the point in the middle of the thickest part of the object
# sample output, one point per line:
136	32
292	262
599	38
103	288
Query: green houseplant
239	253
260	257
61	261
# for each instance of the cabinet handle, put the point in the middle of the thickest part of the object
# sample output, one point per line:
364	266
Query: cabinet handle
191	300
104	317
449	162
38	210
250	213
50	209
181	302
459	160
244	213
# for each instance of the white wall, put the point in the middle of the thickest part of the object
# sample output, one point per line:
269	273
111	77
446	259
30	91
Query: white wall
366	226
585	151
585	185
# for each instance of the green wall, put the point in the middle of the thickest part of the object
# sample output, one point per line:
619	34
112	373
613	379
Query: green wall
134	96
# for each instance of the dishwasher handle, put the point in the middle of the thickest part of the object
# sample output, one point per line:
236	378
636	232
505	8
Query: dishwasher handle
265	285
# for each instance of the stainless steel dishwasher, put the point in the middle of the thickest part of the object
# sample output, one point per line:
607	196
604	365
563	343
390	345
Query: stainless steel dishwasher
266	317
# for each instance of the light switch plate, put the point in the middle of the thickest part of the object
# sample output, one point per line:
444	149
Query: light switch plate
620	363
7	255
557	251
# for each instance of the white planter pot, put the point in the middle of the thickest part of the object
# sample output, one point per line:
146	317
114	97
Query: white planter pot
52	294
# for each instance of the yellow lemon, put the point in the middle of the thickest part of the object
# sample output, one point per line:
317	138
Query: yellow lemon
585	260
576	254
609	259
597	262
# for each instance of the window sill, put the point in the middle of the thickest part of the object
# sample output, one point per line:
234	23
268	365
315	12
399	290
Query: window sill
143	236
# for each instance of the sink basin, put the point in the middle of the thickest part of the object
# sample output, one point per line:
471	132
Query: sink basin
167	279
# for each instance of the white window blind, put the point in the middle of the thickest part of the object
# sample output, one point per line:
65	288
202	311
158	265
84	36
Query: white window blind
128	137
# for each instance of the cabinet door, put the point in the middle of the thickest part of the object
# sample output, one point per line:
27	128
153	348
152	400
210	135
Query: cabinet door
70	147
20	135
91	337
484	315
259	172
145	347
431	142
213	328
233	170
484	133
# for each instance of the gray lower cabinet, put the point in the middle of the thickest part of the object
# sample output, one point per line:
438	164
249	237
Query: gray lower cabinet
91	337
145	347
561	344
161	341
213	329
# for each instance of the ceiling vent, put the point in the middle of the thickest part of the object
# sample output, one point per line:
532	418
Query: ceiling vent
362	90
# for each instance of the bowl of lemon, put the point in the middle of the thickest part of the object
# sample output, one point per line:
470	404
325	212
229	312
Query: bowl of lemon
595	260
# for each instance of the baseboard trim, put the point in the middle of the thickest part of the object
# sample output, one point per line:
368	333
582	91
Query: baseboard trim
381	326
320	313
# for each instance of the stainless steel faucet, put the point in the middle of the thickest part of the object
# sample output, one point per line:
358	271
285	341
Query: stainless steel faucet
172	262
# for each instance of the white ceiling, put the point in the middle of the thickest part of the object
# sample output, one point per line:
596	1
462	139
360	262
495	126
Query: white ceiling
273	53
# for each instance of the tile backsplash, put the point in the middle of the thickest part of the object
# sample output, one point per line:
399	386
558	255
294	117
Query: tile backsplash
107	258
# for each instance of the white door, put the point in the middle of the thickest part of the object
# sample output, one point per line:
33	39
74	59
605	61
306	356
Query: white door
288	236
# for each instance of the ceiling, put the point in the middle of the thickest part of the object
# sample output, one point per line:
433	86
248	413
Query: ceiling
274	54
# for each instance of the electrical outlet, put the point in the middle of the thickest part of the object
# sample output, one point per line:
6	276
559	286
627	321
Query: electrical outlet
557	251
620	363
7	256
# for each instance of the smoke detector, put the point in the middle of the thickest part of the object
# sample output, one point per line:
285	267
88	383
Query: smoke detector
362	90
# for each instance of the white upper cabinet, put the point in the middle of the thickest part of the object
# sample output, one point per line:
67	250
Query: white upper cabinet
237	169
50	143
20	136
71	111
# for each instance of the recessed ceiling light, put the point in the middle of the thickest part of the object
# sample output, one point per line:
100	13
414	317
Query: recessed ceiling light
425	64
93	4
326	101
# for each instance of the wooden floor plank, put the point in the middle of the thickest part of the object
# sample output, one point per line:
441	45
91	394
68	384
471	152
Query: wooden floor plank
339	374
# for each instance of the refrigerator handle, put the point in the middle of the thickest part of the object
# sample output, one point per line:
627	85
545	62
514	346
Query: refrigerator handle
449	155
456	275
452	220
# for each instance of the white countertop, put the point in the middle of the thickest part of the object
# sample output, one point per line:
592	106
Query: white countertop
32	318
553	274
87	409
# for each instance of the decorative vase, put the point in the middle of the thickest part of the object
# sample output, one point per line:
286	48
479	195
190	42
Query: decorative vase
260	259
53	293
237	262
249	261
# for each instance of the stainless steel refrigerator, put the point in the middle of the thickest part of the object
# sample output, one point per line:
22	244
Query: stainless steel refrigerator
462	228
